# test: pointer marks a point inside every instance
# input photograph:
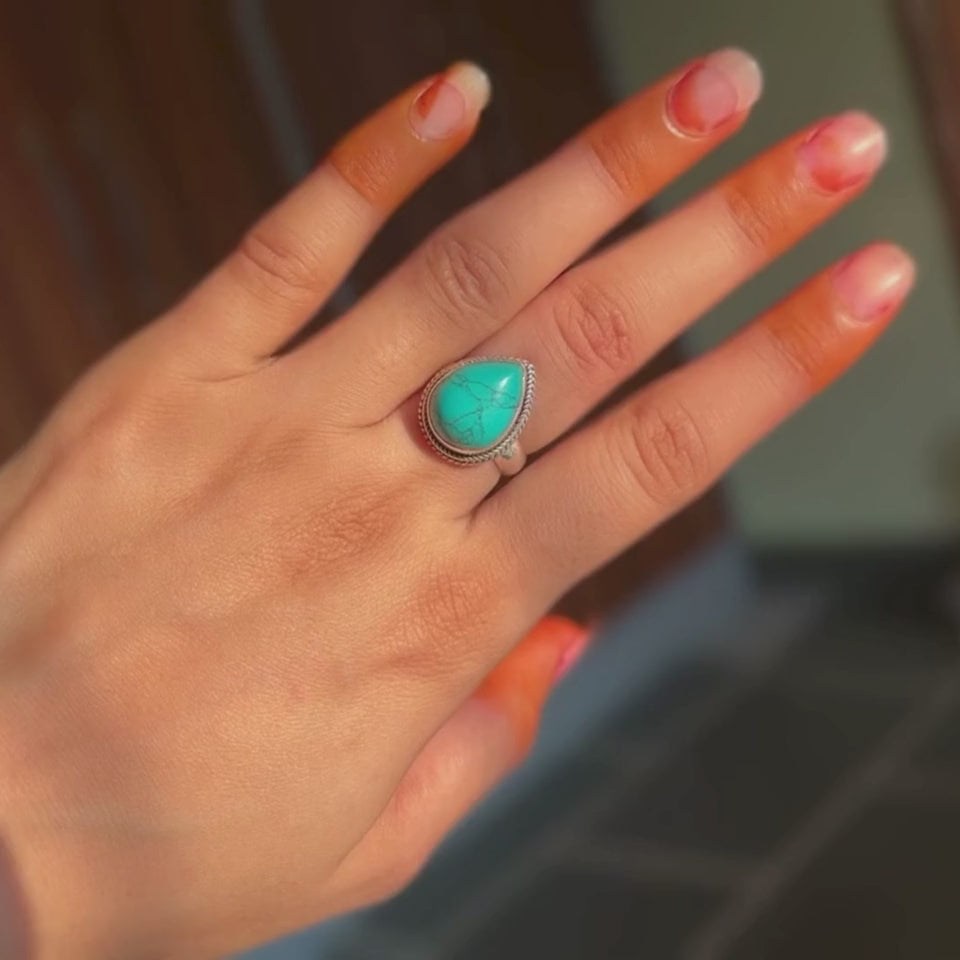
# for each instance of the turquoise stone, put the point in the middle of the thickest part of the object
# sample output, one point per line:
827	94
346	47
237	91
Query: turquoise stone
474	406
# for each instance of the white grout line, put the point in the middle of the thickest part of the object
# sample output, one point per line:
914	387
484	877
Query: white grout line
829	818
926	783
779	619
658	863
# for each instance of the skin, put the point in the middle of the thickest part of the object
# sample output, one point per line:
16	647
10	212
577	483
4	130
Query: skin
259	648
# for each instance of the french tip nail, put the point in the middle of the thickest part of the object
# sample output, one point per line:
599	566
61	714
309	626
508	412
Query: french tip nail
450	102
472	80
874	281
743	71
868	133
713	92
844	151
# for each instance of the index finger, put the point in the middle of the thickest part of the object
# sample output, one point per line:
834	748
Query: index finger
295	256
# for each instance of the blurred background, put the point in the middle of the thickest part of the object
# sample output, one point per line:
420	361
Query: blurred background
760	757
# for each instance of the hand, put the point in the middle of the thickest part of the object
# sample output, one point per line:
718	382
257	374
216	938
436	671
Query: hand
248	614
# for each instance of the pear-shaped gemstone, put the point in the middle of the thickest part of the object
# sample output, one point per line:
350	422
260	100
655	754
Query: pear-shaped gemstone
474	406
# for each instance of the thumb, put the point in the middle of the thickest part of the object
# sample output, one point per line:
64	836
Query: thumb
477	747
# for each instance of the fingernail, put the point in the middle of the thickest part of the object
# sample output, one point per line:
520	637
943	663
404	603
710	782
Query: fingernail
714	91
872	283
445	105
571	655
844	152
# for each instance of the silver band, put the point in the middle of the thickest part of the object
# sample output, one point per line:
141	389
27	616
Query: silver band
511	461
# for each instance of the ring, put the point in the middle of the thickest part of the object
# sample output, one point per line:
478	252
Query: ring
474	410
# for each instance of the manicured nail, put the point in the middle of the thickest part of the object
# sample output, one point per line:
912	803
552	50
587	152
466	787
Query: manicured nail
445	105
872	283
714	91
844	152
571	655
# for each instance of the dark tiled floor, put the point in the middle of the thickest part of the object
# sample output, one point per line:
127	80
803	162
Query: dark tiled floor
752	776
636	876
886	890
573	914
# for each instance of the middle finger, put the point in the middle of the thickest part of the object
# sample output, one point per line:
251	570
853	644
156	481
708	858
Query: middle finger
483	266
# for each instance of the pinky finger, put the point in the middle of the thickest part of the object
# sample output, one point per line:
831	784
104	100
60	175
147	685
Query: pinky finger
618	478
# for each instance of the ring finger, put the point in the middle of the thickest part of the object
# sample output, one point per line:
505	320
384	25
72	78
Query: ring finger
599	490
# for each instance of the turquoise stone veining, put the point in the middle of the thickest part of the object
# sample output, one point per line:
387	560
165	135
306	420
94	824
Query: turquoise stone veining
474	406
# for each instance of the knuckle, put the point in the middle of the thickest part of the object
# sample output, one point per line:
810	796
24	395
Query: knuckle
622	159
276	265
113	444
358	518
592	324
453	599
753	220
665	453
119	448
454	603
467	277
796	340
80	620
369	172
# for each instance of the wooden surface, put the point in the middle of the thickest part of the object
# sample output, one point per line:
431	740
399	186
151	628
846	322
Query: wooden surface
140	140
